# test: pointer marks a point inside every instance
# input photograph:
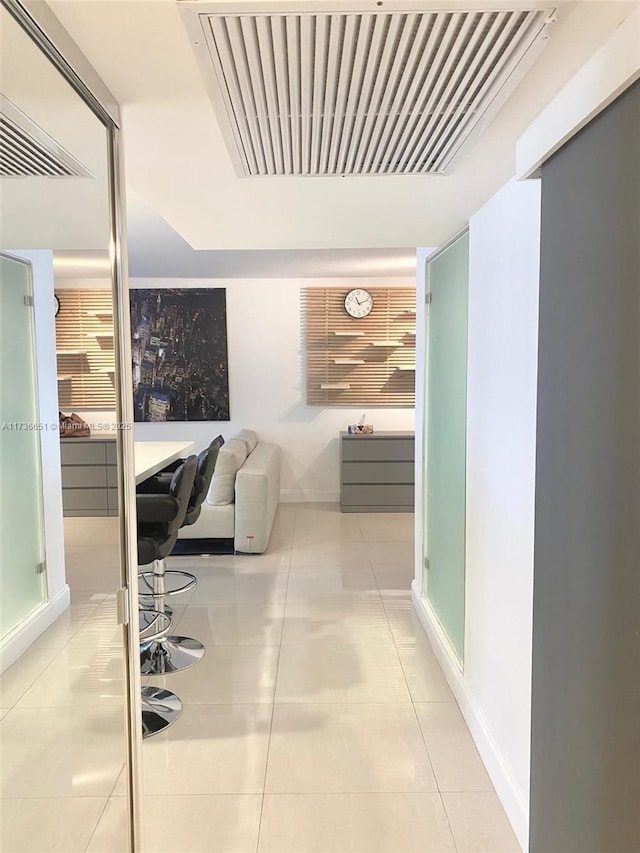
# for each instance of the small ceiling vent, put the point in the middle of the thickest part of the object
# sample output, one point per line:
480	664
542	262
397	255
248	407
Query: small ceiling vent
28	151
371	93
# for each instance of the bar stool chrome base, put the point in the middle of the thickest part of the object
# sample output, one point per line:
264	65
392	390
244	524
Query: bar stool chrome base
169	654
160	709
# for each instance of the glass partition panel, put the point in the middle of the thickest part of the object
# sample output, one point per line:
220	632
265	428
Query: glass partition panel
445	438
21	535
63	686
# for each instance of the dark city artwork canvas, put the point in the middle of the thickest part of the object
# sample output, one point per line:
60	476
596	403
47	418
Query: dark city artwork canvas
179	349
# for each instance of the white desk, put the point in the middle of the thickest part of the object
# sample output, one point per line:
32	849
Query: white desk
153	456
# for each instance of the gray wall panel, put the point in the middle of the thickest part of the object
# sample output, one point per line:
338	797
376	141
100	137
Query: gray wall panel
585	767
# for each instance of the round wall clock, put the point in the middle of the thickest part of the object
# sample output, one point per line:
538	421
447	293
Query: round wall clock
358	303
56	305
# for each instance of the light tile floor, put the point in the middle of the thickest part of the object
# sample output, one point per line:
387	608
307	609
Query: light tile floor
319	720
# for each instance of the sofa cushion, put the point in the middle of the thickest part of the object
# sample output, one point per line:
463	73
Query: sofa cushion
214	522
230	458
249	437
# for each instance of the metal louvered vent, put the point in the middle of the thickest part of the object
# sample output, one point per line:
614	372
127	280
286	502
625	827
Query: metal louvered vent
357	93
27	151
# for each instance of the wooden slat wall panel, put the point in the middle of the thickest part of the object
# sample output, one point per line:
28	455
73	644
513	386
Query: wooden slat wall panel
369	361
84	344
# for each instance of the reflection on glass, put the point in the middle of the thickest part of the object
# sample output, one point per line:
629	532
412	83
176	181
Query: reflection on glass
62	732
21	535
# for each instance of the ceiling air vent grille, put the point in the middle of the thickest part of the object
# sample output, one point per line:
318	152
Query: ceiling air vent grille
358	94
27	151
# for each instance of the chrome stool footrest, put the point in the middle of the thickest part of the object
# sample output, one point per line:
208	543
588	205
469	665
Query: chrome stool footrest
160	709
149	582
169	654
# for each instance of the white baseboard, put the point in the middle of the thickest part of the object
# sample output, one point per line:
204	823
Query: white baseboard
18	641
303	496
498	769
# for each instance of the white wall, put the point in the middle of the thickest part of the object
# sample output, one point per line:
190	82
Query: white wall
501	442
57	589
494	688
267	386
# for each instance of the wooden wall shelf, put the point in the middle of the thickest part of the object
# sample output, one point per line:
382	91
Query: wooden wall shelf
101	314
376	353
84	346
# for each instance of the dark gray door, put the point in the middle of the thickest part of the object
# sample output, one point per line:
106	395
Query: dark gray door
585	763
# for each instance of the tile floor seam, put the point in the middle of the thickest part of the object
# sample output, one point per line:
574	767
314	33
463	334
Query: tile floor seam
266	763
275	687
422	735
24	692
446	814
375	576
351	792
100	816
413	706
59	797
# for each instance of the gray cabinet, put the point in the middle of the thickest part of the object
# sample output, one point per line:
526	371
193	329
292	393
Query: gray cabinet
377	472
89	476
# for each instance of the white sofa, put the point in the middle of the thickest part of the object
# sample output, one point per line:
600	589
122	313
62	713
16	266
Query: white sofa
243	498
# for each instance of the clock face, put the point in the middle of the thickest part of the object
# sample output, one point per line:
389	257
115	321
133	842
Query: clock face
358	303
56	305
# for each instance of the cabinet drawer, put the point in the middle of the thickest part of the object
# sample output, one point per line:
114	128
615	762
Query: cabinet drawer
82	453
112	476
83	476
112	452
112	499
378	495
84	499
377	450
377	472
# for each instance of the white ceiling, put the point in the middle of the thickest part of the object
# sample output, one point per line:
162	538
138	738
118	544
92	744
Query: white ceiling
177	162
157	251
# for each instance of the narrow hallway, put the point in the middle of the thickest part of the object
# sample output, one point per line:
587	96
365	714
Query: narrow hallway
319	720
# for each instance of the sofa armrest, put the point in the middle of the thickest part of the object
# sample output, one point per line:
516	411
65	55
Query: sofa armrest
257	493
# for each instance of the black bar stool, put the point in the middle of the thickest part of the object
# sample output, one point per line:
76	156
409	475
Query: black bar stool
160	517
151	585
